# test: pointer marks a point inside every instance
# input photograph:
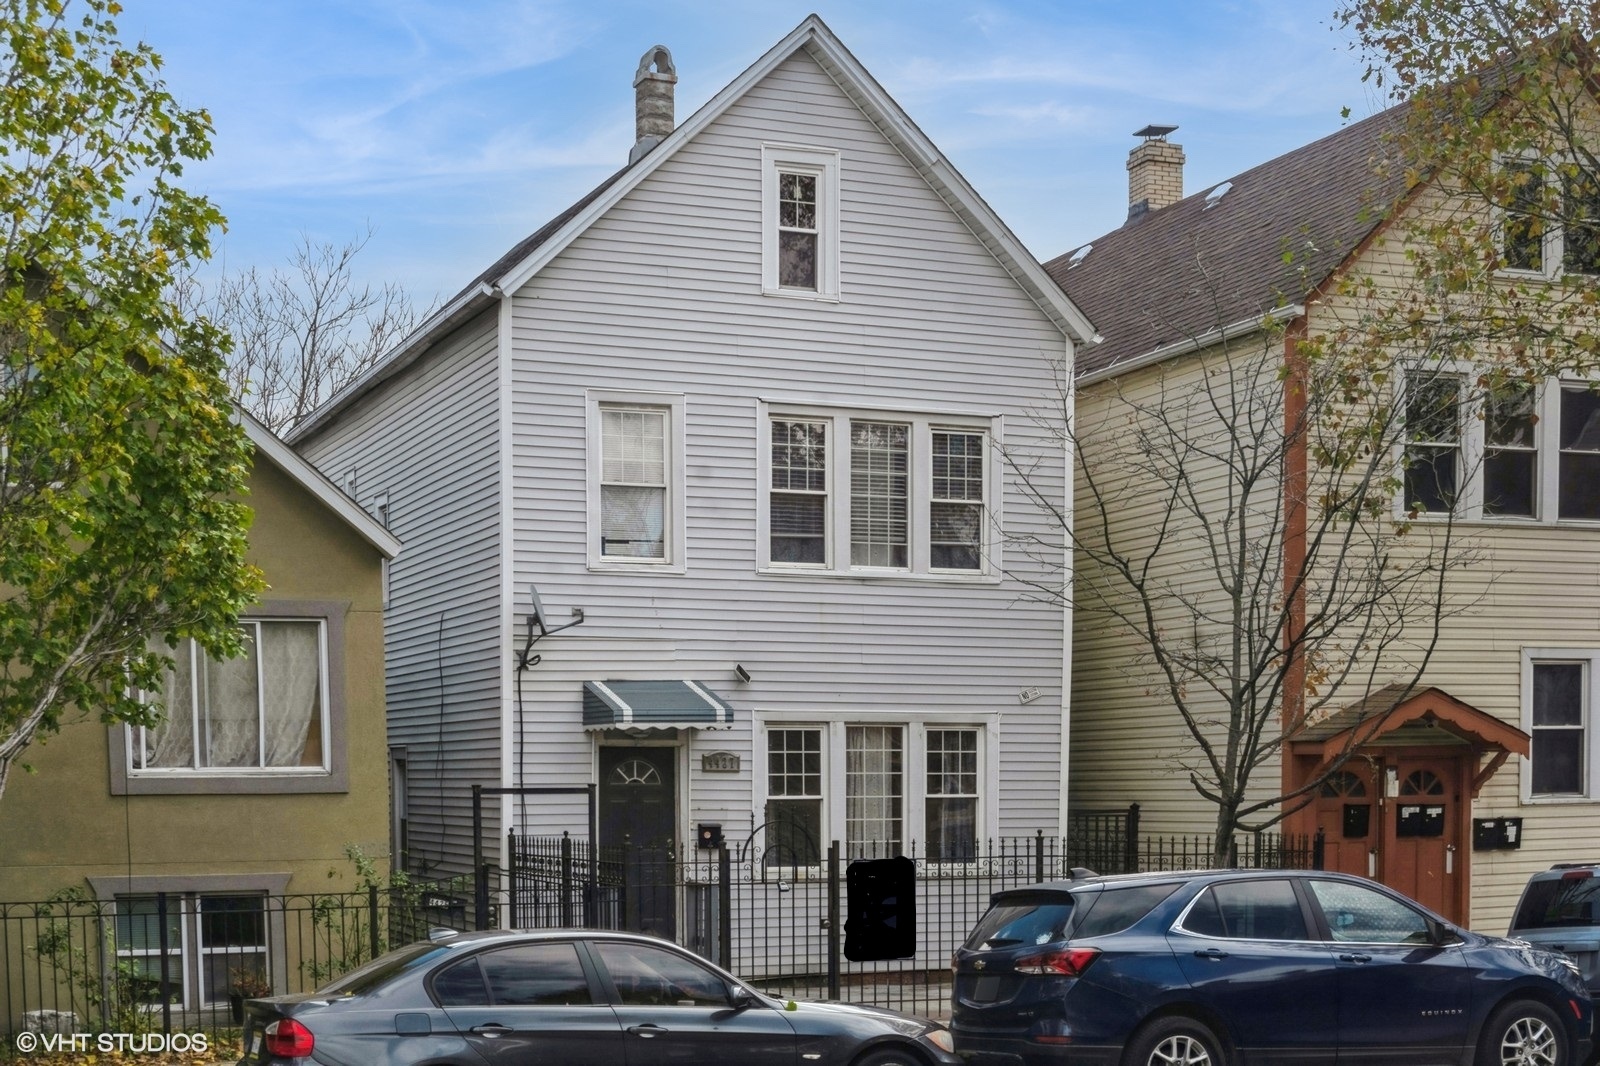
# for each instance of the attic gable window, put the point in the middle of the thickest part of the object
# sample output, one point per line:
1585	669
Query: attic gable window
1545	234
800	222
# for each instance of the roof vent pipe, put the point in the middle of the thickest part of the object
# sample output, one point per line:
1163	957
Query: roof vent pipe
652	94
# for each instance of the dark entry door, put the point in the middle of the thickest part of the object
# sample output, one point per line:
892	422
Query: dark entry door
638	793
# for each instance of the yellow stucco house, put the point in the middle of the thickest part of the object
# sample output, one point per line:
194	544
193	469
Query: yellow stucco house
267	768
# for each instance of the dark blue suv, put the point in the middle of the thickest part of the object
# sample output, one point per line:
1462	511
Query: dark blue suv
1223	968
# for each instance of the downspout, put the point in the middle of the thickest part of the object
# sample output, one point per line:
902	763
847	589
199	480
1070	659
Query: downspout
1069	457
1295	480
509	774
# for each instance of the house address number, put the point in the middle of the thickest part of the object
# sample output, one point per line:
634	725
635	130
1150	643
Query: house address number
719	762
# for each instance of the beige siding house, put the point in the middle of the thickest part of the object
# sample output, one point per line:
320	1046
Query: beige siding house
1489	768
269	765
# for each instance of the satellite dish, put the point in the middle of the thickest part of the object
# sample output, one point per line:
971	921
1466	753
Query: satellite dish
537	617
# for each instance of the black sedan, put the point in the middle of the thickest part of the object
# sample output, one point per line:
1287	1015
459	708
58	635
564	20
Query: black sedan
579	998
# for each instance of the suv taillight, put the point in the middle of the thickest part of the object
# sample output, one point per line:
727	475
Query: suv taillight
1066	962
288	1039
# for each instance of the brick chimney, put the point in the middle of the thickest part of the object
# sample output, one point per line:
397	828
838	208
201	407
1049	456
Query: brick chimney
1155	172
652	95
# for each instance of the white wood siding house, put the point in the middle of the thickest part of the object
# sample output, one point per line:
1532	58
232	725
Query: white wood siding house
742	406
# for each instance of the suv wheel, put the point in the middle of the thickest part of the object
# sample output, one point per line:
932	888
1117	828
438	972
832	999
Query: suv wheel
1523	1034
1179	1042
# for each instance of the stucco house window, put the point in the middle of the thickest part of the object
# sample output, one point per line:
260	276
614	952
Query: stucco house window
264	710
271	720
214	944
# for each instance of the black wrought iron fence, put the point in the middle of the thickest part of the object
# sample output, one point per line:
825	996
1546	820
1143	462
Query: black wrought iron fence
168	962
780	923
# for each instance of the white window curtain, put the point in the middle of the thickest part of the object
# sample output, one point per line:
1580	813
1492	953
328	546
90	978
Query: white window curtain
263	708
292	703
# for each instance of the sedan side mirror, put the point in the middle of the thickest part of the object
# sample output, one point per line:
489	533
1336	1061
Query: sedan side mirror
741	998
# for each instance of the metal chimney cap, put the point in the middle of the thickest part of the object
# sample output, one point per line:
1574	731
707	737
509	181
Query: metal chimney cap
1154	130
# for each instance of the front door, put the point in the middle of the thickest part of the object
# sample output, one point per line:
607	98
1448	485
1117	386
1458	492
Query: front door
1346	815
1421	848
638	816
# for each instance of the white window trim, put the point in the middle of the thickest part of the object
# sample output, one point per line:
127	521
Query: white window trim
1552	241
324	667
914	750
1474	450
920	444
1591	755
673	560
824	164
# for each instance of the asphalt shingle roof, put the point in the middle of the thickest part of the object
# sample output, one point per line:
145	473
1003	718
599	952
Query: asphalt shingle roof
1190	268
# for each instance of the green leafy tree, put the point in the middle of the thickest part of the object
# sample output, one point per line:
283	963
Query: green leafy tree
121	462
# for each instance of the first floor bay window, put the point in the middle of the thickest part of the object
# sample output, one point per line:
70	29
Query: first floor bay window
265	709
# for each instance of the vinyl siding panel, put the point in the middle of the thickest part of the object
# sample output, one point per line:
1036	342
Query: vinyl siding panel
429	440
664	294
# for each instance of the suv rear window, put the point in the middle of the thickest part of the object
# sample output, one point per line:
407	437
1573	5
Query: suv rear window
1556	902
1031	918
1049	917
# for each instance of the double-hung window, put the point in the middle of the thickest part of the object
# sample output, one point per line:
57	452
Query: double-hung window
1433	440
265	710
215	945
635	480
800	221
1550	218
879	788
1519	453
864	493
1558	696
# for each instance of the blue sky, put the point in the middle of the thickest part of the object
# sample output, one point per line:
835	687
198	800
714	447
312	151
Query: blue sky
452	128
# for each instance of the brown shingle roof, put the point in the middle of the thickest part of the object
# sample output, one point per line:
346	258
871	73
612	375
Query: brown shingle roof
1188	269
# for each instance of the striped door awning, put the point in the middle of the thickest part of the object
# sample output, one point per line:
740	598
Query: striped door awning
653	705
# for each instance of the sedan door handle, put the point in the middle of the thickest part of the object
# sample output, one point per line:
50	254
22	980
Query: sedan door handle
492	1030
1210	953
647	1030
1355	958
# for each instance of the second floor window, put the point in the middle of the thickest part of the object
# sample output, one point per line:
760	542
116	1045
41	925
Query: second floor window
1521	453
1433	440
633	482
846	492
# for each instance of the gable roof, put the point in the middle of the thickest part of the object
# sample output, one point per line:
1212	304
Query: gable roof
1203	267
311	479
525	259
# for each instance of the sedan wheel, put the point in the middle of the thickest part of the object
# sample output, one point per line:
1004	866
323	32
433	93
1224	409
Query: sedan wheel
1175	1042
1523	1034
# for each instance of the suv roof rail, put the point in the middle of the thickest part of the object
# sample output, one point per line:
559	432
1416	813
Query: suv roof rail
1573	865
